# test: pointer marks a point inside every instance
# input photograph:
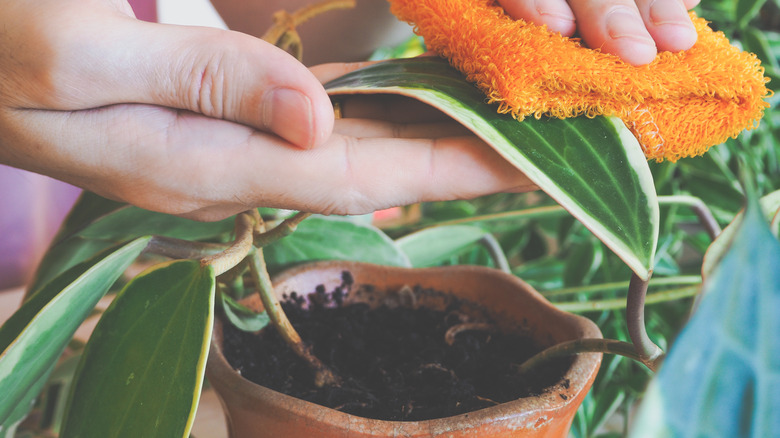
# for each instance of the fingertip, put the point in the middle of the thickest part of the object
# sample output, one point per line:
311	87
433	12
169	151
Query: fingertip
628	38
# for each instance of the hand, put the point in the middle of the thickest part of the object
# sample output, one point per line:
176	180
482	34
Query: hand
635	30
184	120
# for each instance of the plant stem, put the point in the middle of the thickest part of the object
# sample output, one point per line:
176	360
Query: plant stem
238	250
264	238
620	303
283	34
489	242
579	346
182	249
706	218
323	376
595	288
650	353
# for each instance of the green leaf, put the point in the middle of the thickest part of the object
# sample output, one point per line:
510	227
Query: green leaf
770	204
142	370
242	317
592	167
87	209
35	336
581	263
755	41
722	375
747	10
431	246
118	225
334	238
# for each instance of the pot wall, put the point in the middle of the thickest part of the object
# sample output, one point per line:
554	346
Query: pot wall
255	411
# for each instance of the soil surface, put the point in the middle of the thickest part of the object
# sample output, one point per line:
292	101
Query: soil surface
394	361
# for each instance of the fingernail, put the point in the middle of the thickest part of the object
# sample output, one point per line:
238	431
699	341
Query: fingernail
288	113
669	12
558	18
625	24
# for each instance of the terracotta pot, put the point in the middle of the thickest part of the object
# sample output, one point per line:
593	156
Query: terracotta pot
255	411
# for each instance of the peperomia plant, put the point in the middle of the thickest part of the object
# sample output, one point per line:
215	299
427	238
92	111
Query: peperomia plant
142	372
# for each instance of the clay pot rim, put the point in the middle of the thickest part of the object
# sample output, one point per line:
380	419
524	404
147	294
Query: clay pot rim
581	373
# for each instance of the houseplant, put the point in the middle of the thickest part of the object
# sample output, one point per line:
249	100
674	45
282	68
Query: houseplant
98	224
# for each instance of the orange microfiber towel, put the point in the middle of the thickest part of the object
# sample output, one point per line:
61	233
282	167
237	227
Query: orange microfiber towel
677	106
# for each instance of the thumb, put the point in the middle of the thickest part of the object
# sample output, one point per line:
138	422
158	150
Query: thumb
217	73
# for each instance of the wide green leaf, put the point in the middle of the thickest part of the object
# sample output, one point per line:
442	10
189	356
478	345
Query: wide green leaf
334	238
722	375
35	336
592	167
142	370
87	232
770	204
431	246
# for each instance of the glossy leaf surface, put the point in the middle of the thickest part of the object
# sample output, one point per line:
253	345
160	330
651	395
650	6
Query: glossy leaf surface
722	375
142	371
431	246
592	167
96	224
35	336
334	238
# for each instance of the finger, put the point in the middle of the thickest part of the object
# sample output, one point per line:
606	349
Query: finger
616	27
668	23
217	73
556	14
690	4
203	168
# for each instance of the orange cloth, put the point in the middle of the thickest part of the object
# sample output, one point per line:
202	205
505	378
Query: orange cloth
677	106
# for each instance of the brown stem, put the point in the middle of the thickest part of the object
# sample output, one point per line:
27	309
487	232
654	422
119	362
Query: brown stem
579	346
283	34
703	213
182	249
323	376
635	319
264	238
238	250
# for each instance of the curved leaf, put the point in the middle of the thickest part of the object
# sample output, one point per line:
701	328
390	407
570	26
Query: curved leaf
35	336
592	167
142	370
431	246
334	238
722	375
89	232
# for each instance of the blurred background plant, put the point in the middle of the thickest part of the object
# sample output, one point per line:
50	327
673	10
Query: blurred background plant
531	236
542	244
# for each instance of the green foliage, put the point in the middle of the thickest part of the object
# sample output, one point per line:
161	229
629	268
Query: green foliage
593	167
726	386
142	371
578	259
34	337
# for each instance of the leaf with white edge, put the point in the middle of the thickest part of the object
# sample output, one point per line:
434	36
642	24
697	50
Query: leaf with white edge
33	338
242	317
770	205
334	238
98	231
142	371
594	168
431	246
722	375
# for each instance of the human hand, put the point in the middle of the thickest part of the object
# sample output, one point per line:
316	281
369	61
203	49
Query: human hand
635	30
183	120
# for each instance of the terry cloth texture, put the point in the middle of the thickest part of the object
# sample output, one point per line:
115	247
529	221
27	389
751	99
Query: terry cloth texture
677	106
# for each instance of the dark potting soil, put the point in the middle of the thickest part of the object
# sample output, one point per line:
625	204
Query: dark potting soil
393	360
